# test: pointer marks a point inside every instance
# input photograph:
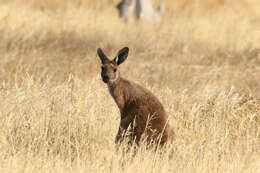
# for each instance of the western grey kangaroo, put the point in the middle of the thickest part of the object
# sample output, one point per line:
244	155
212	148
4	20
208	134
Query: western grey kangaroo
142	114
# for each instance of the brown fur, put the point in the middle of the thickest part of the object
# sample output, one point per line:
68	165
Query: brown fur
142	114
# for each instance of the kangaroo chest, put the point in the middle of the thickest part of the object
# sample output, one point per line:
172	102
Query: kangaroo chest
118	97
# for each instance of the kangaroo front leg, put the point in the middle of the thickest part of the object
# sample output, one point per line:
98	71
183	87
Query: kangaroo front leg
125	129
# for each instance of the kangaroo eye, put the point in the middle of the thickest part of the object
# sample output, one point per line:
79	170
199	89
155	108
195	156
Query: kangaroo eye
115	70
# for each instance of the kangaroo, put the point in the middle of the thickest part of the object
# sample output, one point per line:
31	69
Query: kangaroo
142	114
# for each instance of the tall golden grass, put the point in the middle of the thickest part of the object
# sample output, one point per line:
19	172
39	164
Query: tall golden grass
202	60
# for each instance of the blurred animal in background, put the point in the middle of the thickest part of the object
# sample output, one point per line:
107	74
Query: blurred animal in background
139	9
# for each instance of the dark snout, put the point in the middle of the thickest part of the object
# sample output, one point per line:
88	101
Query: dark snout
104	75
105	78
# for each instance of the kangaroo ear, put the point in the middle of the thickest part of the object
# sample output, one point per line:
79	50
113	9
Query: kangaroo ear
121	55
102	56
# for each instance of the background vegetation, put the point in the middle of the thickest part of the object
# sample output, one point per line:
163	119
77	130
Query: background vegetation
202	60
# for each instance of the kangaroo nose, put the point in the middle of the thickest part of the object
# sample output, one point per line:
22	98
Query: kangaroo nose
105	79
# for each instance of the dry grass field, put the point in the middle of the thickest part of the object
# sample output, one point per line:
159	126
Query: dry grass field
202	61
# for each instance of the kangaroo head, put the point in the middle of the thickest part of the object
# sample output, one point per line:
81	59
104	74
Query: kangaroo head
109	68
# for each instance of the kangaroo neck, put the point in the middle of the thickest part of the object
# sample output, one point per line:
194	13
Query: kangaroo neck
115	86
118	90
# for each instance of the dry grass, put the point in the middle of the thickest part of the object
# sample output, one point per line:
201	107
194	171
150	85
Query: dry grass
202	61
